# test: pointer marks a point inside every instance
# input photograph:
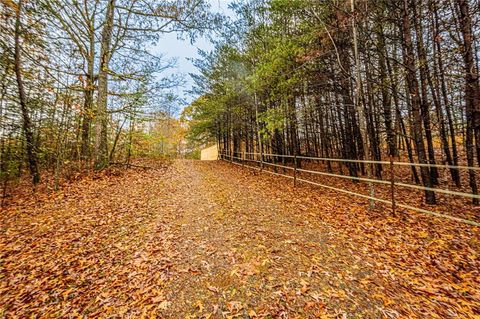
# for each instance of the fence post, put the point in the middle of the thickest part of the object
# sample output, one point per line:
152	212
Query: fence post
392	184
261	160
243	158
231	155
295	170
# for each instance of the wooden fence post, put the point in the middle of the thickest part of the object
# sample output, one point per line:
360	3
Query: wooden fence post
243	158
261	160
392	184
295	170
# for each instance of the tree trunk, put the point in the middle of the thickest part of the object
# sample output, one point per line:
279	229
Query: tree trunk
88	101
27	125
101	125
443	88
412	86
386	99
472	92
424	100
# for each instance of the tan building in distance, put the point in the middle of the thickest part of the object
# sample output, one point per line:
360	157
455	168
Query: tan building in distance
209	153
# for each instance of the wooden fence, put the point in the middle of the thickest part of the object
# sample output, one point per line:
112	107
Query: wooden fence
258	160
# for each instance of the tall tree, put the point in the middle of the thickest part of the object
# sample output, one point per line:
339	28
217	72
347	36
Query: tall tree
472	92
27	124
101	115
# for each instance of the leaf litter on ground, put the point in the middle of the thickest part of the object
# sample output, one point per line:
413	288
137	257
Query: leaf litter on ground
192	239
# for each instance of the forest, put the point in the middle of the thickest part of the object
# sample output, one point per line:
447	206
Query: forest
280	159
81	87
359	80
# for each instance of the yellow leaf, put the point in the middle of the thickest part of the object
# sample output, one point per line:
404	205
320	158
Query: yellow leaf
423	234
199	305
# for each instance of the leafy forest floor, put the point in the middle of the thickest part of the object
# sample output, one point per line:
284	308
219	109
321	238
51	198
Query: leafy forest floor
192	239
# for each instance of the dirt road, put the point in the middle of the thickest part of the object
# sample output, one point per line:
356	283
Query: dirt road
213	240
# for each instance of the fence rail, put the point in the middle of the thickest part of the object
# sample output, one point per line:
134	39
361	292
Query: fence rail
259	158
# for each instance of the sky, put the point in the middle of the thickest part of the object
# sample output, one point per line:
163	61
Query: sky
171	47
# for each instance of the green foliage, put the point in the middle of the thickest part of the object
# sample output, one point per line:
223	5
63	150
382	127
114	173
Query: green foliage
252	82
193	154
11	163
200	117
274	120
